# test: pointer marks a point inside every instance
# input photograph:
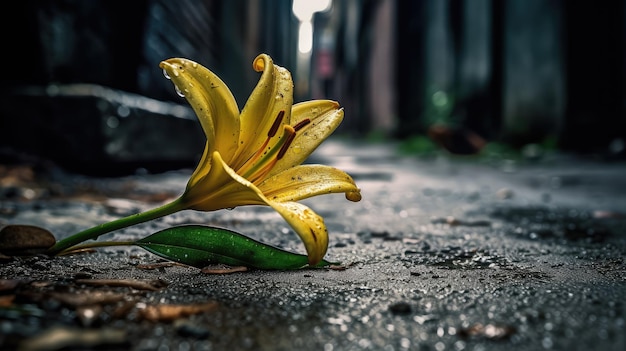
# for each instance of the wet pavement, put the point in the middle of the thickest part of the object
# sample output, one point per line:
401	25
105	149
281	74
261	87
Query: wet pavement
442	253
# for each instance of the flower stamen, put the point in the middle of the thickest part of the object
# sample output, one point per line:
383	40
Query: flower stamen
274	128
281	147
287	143
270	134
301	124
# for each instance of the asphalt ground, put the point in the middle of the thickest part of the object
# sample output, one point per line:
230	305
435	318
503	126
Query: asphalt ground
442	253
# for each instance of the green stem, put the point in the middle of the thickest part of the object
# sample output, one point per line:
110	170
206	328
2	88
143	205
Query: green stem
95	232
96	244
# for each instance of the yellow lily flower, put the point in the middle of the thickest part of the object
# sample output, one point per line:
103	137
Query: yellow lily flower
255	157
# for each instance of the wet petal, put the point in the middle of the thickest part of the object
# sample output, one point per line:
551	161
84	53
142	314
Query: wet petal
272	94
305	181
308	225
203	168
221	188
325	117
312	110
211	100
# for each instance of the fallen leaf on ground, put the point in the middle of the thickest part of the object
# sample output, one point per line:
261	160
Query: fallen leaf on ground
223	269
123	310
87	298
58	338
6	300
489	331
158	265
151	285
168	313
41	284
10	284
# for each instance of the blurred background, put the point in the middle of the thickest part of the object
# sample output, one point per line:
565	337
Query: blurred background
81	84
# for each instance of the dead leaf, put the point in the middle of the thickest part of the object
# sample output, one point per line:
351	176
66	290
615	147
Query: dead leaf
87	298
489	331
168	313
123	309
6	300
41	284
151	285
159	265
337	267
16	175
223	269
10	284
58	338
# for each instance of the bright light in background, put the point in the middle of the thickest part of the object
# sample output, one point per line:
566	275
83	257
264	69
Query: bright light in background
305	37
304	10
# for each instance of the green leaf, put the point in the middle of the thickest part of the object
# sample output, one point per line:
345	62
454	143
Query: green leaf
199	246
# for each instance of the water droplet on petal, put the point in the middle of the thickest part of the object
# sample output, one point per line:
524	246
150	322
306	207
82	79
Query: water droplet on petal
180	93
166	75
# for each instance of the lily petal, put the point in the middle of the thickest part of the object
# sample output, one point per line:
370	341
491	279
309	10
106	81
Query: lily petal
308	225
203	168
306	181
230	190
221	188
325	117
248	147
312	109
211	100
272	94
